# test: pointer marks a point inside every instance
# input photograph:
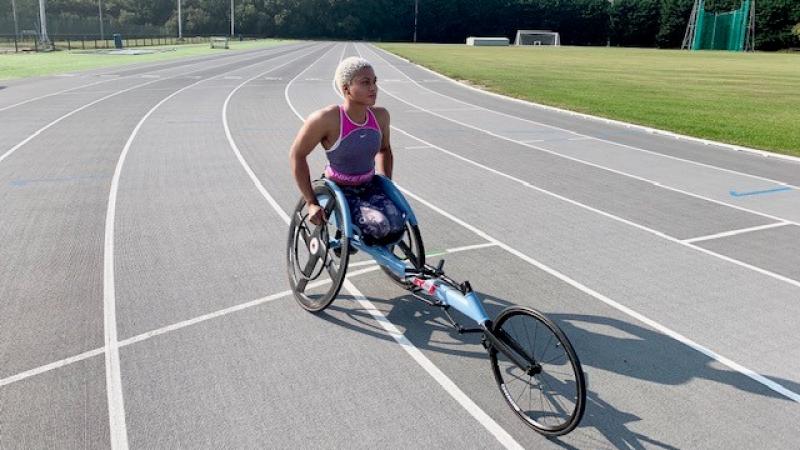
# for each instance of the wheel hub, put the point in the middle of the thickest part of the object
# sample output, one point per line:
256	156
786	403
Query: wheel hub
535	369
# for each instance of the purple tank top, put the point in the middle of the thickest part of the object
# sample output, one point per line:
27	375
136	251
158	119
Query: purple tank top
351	159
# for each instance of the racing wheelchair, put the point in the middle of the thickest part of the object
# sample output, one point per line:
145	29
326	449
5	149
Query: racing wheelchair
533	362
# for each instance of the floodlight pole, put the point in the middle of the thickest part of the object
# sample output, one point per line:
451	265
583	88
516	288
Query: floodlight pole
180	25
231	18
16	27
100	13
416	13
43	20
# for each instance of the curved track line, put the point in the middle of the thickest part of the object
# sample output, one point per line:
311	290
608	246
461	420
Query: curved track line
580	161
190	62
648	130
583	288
56	121
371	267
116	405
449	386
660	234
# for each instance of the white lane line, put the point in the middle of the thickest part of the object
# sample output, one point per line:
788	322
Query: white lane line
618	306
447	384
451	388
230	310
157	332
645	129
74	111
41	130
444	110
580	161
52	94
663	329
52	366
735	232
167	329
470	247
291	106
235	147
609	215
116	404
106	80
612	216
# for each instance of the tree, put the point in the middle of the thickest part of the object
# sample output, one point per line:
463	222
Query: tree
674	16
635	23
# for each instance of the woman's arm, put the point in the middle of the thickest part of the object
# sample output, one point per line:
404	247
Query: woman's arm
384	160
310	135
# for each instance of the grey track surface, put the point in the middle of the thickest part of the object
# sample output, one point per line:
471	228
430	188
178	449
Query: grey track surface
194	236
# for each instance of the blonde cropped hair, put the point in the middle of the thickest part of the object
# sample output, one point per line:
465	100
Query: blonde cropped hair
347	69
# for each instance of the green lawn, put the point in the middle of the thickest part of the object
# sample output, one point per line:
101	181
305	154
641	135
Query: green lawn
750	99
22	65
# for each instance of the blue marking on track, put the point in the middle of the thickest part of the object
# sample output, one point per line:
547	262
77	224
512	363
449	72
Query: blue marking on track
765	191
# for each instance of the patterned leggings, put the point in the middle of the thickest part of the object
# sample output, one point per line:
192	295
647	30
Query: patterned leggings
373	212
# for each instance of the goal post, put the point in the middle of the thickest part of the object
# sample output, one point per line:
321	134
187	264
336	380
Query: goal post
537	37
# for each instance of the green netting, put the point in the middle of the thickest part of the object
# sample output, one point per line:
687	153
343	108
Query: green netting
721	31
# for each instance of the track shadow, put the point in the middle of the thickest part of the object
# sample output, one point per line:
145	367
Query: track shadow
423	324
601	342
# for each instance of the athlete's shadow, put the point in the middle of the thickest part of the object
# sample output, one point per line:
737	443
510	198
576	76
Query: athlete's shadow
428	329
605	343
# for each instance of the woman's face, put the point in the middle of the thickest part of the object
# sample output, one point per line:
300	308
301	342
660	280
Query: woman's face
363	88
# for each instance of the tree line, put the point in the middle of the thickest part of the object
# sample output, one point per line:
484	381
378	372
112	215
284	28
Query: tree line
639	23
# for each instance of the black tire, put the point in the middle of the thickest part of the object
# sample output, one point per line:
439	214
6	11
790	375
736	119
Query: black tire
560	387
327	260
409	248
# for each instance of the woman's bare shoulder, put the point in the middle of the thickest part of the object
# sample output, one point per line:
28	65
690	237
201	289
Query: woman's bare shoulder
325	115
381	114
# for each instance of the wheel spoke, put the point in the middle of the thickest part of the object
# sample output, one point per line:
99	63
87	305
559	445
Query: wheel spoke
301	285
332	268
312	262
560	398
558	356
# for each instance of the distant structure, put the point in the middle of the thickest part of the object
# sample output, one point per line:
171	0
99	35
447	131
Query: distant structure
490	41
729	30
537	37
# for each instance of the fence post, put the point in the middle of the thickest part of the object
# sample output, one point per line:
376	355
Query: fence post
69	46
83	43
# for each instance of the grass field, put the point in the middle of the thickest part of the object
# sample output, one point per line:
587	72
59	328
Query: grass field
22	65
750	99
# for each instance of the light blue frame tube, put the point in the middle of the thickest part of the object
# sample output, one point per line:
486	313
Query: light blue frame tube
469	305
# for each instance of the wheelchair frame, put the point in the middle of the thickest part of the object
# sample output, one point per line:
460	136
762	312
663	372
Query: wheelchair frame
431	286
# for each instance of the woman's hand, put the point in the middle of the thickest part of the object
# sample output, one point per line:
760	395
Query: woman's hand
316	214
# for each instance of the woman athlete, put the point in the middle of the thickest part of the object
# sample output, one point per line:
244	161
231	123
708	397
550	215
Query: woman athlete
355	136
